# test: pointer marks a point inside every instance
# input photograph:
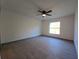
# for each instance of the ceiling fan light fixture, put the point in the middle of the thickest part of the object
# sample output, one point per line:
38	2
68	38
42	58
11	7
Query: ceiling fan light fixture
43	15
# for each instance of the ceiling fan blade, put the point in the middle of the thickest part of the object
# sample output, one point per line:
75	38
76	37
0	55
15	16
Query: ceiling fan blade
49	14
40	10
49	11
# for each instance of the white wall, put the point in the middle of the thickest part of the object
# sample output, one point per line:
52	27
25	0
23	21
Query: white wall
66	27
15	27
76	29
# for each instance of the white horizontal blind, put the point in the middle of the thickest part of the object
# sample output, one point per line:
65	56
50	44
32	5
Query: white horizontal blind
54	28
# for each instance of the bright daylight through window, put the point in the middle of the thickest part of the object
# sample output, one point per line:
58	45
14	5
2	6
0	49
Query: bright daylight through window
54	27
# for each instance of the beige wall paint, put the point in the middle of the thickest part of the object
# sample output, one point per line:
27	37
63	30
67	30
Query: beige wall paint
16	27
66	27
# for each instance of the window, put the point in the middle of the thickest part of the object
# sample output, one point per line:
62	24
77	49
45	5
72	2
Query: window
54	28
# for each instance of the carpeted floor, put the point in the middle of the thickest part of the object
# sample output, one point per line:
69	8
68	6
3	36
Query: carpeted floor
39	48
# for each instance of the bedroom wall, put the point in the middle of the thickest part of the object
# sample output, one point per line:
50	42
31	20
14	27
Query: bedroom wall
66	27
76	28
15	27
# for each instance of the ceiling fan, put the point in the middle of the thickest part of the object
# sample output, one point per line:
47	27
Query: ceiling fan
45	13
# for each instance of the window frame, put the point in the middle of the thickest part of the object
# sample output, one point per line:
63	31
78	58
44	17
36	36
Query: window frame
54	27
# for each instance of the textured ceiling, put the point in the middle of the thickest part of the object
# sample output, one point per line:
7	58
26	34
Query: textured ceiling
29	7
